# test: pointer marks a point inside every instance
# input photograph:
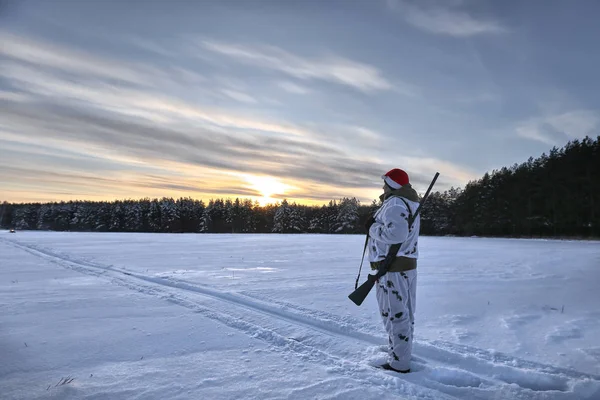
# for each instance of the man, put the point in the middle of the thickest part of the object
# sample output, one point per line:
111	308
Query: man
396	290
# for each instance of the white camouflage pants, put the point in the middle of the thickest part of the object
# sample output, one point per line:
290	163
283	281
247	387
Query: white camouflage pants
396	296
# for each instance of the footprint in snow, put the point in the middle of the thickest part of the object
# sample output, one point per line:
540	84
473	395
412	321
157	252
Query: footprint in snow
455	377
463	335
574	329
516	321
463	319
562	333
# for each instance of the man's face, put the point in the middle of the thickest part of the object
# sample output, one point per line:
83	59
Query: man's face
386	189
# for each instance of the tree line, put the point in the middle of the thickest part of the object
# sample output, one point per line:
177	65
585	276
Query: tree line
186	215
556	194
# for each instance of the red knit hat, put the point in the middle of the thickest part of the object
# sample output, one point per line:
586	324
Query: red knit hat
396	178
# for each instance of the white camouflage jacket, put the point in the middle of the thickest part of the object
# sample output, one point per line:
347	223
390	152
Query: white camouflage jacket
391	226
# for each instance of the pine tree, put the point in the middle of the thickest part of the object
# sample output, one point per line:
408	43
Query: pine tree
347	217
133	216
6	215
189	217
154	216
330	218
86	214
318	220
207	224
45	218
117	220
297	219
235	217
75	223
24	217
248	217
282	220
145	211
198	216
169	217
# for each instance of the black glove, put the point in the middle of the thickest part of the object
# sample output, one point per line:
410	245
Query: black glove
370	221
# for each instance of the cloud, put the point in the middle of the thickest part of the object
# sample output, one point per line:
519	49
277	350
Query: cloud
294	161
17	97
200	147
533	130
292	87
334	69
152	105
444	18
425	167
556	129
85	185
365	133
54	56
239	96
575	124
137	127
353	138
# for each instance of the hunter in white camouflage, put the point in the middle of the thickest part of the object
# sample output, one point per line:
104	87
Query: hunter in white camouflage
396	290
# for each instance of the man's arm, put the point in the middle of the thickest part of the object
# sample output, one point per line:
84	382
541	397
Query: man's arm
393	227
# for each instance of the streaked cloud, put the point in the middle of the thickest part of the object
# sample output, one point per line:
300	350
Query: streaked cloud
445	18
292	87
130	100
554	130
330	68
239	96
151	127
51	55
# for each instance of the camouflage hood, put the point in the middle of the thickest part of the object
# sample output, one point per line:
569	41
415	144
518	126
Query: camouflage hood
405	191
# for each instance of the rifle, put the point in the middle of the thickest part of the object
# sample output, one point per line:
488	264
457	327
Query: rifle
361	293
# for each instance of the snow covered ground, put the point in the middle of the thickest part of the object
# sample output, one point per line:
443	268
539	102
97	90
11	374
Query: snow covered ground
158	316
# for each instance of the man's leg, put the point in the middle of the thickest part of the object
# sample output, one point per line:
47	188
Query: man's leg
400	318
411	278
384	309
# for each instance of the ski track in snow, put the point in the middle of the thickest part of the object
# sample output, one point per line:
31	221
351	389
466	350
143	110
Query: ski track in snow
442	369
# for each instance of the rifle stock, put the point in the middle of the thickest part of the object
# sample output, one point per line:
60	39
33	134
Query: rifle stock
361	293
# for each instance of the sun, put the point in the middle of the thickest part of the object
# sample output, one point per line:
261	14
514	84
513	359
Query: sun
267	186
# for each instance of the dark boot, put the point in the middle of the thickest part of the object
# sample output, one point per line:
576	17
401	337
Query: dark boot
388	367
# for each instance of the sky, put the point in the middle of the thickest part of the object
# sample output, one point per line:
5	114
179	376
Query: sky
306	100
